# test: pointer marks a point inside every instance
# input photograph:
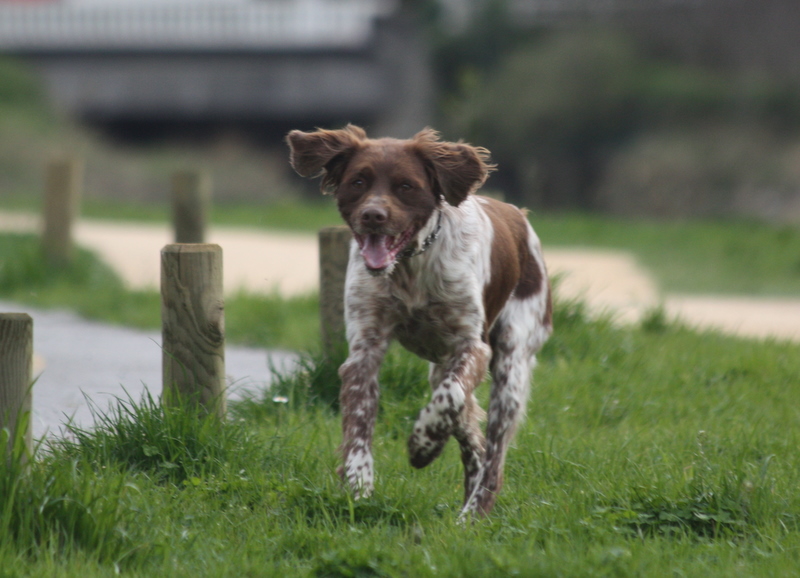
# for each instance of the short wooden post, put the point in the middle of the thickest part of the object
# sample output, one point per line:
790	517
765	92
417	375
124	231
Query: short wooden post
63	183
16	375
191	197
334	249
193	326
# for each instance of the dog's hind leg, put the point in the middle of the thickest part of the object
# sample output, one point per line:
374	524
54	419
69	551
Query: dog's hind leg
516	337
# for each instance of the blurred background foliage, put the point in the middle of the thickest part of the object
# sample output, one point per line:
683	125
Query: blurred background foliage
649	116
597	117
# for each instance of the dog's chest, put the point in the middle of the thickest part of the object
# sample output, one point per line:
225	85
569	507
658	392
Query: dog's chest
428	321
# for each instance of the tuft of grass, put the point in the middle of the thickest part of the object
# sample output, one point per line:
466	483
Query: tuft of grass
54	506
655	320
171	444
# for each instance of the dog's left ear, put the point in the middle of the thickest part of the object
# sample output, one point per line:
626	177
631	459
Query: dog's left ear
455	169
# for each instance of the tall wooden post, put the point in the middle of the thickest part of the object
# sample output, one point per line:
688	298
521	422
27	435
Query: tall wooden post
334	249
193	326
16	375
63	183
191	197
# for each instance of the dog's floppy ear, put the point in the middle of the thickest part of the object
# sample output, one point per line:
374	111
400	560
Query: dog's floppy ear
455	169
324	153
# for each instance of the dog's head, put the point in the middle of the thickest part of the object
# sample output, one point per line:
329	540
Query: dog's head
388	189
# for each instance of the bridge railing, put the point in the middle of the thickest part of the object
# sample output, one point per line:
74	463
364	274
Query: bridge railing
201	25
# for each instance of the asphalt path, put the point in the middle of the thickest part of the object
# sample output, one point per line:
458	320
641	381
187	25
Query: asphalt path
78	360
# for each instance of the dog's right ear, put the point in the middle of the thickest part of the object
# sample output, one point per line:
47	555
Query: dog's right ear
324	153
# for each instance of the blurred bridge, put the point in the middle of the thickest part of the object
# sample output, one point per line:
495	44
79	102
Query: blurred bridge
288	61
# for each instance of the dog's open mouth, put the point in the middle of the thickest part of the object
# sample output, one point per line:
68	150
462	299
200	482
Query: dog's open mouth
380	251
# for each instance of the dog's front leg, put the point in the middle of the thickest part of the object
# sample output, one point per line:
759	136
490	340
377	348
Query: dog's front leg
446	412
359	405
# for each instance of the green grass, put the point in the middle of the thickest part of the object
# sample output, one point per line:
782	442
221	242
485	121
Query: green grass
646	452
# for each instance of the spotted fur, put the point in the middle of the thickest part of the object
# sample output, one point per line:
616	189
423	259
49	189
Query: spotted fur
476	300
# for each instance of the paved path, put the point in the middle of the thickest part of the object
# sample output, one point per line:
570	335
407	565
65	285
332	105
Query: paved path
76	359
253	259
612	281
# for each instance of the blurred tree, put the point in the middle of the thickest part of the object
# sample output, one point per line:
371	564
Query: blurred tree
553	110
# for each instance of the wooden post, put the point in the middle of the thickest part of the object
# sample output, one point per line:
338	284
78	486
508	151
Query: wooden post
16	375
334	249
193	326
191	196
63	183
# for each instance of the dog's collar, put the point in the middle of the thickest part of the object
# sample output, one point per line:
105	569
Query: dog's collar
411	252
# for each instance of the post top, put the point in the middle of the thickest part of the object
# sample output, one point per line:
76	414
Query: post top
192	248
15	317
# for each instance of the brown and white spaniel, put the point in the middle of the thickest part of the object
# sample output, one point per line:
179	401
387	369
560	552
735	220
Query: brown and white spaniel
458	279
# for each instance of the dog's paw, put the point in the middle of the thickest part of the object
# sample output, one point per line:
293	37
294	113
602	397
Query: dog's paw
478	505
358	474
425	446
434	426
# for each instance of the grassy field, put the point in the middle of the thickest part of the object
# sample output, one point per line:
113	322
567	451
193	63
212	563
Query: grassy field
647	451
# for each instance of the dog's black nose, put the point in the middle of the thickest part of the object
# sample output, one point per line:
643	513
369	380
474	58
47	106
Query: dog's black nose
374	217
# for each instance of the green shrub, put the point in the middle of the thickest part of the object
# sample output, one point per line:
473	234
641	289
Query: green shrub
18	86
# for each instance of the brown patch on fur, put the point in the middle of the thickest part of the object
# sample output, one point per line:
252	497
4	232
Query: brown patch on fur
510	256
530	282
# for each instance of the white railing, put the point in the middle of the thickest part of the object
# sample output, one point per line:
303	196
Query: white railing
201	25
555	9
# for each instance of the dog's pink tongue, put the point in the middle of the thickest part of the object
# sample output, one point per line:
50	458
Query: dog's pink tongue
375	252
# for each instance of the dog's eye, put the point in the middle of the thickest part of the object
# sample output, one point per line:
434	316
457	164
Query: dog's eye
358	182
405	187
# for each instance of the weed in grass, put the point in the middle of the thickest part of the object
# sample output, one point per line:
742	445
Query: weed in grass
655	320
314	383
171	444
355	562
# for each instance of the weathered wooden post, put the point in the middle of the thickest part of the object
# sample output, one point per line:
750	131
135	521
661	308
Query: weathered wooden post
193	326
62	195
191	197
16	375
334	249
